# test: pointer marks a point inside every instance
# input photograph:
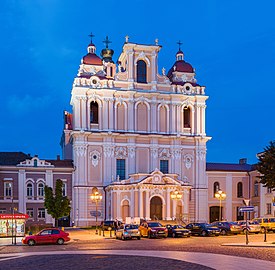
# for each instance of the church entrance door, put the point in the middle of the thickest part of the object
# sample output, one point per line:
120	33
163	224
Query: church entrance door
156	208
214	213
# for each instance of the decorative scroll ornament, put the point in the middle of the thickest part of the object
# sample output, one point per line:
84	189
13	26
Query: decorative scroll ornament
80	150
176	153
154	152
131	151
121	152
95	157
188	160
164	153
201	153
108	151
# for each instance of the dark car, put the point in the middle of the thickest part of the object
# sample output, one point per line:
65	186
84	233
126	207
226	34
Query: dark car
203	229
113	224
152	229
177	231
227	227
47	236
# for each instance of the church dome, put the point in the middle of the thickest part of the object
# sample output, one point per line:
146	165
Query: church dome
183	66
92	59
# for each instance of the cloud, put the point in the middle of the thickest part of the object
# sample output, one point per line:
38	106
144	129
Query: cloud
22	105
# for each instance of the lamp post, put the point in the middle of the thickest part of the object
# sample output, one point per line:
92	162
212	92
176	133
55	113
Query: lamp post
220	195
175	195
96	197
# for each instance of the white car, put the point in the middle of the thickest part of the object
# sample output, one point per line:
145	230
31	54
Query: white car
252	226
128	231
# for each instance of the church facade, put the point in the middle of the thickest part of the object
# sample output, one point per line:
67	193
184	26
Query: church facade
137	137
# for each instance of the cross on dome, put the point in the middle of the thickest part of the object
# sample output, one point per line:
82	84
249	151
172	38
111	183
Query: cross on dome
107	42
180	43
91	35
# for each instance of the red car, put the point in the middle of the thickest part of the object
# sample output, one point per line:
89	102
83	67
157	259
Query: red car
47	236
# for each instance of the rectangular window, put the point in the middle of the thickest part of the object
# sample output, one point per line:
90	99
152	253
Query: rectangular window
64	189
30	212
41	213
268	208
269	190
164	166
8	189
120	168
2	210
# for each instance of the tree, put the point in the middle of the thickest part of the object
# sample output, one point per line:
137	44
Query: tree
56	204
266	166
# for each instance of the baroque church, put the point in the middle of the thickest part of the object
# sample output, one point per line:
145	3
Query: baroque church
137	137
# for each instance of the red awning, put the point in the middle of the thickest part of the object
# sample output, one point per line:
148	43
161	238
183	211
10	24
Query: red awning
14	216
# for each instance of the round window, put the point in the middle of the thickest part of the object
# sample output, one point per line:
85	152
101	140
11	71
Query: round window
187	88
94	81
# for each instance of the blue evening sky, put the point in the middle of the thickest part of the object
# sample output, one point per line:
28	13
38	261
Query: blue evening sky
229	43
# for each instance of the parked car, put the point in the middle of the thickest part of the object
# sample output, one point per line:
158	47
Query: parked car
113	224
203	229
228	227
267	223
177	230
251	226
128	231
47	236
152	229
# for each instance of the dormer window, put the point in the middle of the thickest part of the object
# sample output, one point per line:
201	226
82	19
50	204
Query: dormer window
141	72
94	113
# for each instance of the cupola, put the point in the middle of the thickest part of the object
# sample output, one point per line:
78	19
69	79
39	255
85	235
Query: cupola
91	58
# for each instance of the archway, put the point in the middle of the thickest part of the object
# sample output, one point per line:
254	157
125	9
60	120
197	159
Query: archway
156	208
125	209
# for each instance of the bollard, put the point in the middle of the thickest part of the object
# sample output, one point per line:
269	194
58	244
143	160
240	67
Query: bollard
103	233
110	233
99	232
265	234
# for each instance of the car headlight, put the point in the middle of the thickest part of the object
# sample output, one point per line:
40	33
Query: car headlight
153	231
126	233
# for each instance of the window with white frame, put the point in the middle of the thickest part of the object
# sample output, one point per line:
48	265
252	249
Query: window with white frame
30	212
64	189
40	189
8	189
30	190
268	208
2	210
41	213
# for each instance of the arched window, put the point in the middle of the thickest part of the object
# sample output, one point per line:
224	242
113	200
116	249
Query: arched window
35	163
186	117
141	72
94	113
64	189
29	190
216	188
256	189
240	190
40	190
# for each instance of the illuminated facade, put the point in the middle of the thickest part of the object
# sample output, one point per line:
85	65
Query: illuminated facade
137	136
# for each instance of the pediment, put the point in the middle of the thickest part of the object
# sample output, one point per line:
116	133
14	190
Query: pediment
158	178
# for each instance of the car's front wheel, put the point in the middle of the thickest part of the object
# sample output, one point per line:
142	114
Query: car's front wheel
173	235
223	232
60	241
203	233
31	242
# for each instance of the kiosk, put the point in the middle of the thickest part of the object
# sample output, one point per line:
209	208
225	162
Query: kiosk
12	224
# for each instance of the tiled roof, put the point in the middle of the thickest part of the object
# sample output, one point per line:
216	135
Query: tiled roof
13	158
228	167
66	163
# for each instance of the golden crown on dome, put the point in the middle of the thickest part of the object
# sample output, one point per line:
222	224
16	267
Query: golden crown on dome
107	53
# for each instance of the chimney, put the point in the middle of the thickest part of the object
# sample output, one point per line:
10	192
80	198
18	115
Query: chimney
58	157
243	161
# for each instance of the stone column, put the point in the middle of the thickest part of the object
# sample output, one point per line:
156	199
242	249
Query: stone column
111	114
132	208
131	116
147	205
118	205
105	124
168	205
83	112
140	202
173	118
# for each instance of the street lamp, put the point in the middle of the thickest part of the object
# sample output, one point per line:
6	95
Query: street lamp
220	195
96	197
